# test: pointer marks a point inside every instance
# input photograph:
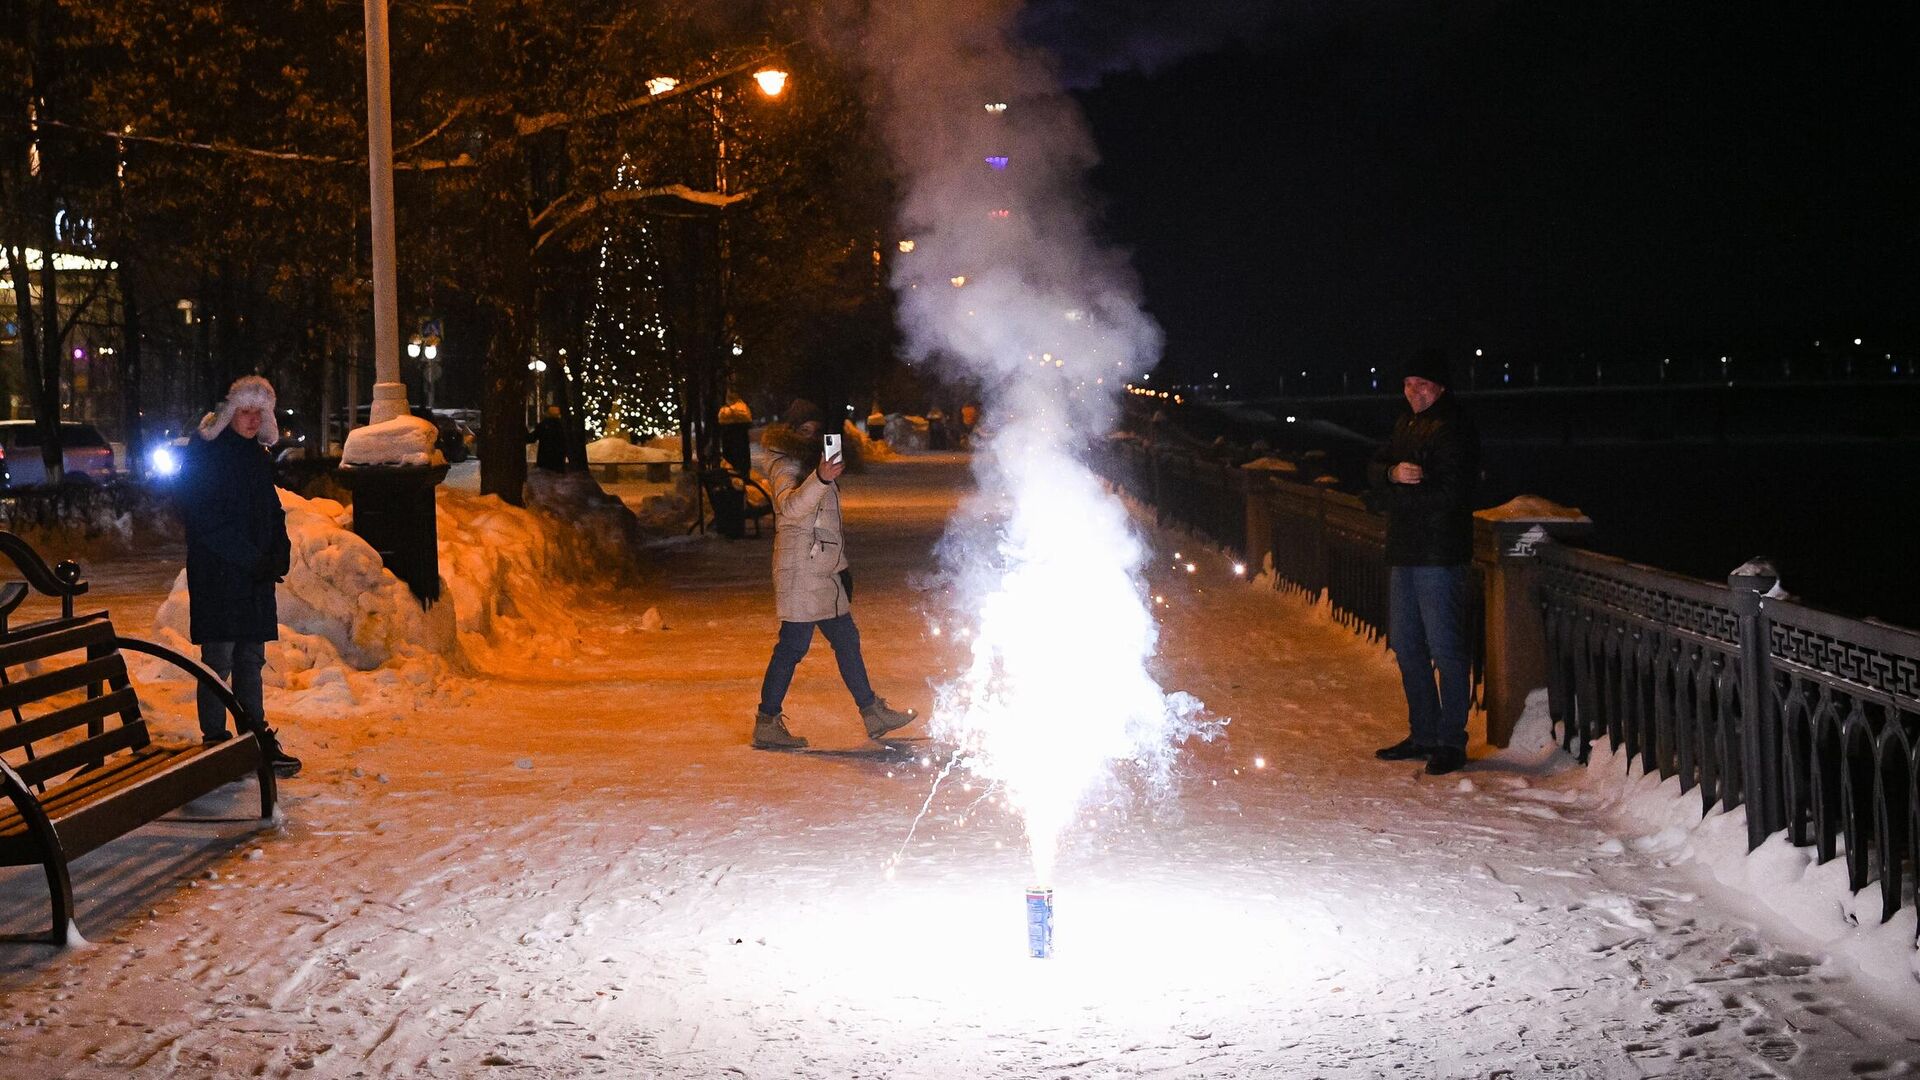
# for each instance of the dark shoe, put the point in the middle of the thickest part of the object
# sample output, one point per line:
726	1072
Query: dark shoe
285	765
882	718
770	733
1404	750
1445	759
216	737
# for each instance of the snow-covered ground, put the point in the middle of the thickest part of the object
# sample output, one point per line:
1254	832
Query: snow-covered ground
574	865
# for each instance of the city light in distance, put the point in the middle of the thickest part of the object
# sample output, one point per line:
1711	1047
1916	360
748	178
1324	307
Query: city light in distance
996	107
958	280
906	246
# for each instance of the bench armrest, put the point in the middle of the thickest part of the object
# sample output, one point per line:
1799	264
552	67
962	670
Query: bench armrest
201	672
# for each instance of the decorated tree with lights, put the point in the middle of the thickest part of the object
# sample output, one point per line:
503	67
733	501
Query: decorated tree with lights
627	377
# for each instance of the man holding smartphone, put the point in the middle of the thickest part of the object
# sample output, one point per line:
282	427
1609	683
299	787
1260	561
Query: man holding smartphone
813	586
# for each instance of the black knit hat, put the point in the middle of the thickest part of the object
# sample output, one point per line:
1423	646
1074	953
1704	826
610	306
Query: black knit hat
801	412
1431	364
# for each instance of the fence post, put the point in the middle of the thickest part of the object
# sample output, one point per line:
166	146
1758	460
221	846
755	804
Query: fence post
1759	722
1516	633
1259	538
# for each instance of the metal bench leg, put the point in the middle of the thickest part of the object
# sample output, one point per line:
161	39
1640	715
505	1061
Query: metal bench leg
60	891
269	787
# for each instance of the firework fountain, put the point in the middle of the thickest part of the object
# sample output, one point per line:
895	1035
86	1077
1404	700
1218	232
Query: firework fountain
1002	282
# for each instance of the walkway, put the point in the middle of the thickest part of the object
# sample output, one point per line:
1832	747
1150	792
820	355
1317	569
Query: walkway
583	870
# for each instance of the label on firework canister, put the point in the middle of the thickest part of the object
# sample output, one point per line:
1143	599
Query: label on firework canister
1039	923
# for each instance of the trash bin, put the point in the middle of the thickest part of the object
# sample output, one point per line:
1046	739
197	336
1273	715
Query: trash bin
393	511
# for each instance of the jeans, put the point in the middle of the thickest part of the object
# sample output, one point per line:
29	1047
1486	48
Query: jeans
1427	630
239	663
795	637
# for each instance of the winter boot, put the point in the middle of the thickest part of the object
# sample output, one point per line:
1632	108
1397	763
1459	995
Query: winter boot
1404	750
1446	759
882	717
770	733
285	765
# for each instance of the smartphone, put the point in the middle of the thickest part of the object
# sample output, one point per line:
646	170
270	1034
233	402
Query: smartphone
833	447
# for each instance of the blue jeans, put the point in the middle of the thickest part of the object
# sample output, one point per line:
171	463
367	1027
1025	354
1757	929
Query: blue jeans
239	663
795	637
1427	630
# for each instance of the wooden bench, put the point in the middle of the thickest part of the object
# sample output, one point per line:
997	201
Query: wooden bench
77	762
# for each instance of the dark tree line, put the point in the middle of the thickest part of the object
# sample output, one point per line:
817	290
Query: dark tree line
216	153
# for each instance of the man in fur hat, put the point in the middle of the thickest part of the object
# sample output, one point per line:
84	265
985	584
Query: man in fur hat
237	549
813	588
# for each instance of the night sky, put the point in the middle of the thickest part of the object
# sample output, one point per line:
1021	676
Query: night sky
1329	185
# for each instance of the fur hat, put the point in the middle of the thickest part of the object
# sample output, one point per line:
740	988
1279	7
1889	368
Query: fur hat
247	392
802	411
1431	364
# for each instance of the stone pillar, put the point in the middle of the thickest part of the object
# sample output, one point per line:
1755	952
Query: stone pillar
1516	637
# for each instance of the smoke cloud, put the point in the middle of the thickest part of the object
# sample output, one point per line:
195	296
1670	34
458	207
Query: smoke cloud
1006	286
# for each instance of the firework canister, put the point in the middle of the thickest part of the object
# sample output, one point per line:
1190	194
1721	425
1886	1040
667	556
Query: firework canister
1039	922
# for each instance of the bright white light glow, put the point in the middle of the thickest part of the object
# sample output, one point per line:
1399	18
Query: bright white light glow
906	246
1239	569
164	461
660	84
772	81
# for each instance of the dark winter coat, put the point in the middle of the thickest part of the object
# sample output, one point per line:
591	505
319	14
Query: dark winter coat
550	453
1429	523
237	544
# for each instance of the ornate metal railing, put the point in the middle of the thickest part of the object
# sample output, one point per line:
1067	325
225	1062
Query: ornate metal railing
1809	720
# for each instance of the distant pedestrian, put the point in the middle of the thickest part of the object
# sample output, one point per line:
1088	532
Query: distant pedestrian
237	549
812	583
550	439
1424	478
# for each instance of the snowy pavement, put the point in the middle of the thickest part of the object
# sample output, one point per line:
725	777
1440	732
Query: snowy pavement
580	868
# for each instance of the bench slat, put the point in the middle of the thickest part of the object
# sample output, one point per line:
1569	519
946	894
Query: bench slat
40	646
48	766
111	668
14	736
159	781
92	784
189	773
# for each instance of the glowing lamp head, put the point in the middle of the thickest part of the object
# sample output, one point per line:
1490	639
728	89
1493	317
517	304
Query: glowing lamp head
660	84
773	81
958	280
906	247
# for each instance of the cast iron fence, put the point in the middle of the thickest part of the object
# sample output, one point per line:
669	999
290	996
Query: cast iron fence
1665	667
1658	664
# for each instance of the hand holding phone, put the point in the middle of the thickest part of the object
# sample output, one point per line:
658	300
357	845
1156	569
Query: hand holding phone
831	463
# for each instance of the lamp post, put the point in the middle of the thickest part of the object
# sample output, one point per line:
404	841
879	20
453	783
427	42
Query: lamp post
389	393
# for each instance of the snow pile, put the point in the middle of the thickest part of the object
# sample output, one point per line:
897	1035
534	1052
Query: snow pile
1273	465
736	412
1813	901
615	449
506	593
602	524
1530	508
907	432
863	449
403	440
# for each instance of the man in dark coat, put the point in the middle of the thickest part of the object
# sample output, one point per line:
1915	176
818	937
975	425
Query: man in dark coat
550	439
237	549
1424	478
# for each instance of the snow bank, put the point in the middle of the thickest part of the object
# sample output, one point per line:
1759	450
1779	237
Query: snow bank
615	448
1272	464
1530	508
1782	881
508	591
907	432
403	440
865	449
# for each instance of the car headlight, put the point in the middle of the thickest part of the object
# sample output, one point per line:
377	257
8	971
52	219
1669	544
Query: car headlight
164	461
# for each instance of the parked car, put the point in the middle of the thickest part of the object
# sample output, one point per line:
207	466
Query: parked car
87	457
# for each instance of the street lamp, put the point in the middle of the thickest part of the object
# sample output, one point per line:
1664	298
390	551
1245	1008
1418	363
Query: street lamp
772	81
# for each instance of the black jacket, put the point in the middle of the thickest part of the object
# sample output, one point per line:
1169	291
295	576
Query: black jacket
1429	523
551	452
236	539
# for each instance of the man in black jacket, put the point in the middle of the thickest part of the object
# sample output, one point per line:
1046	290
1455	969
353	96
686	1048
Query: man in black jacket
1424	478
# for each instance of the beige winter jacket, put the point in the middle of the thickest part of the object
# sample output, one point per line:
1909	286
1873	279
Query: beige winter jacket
808	551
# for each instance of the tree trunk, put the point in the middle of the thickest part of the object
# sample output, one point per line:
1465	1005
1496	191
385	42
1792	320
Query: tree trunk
503	439
130	411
